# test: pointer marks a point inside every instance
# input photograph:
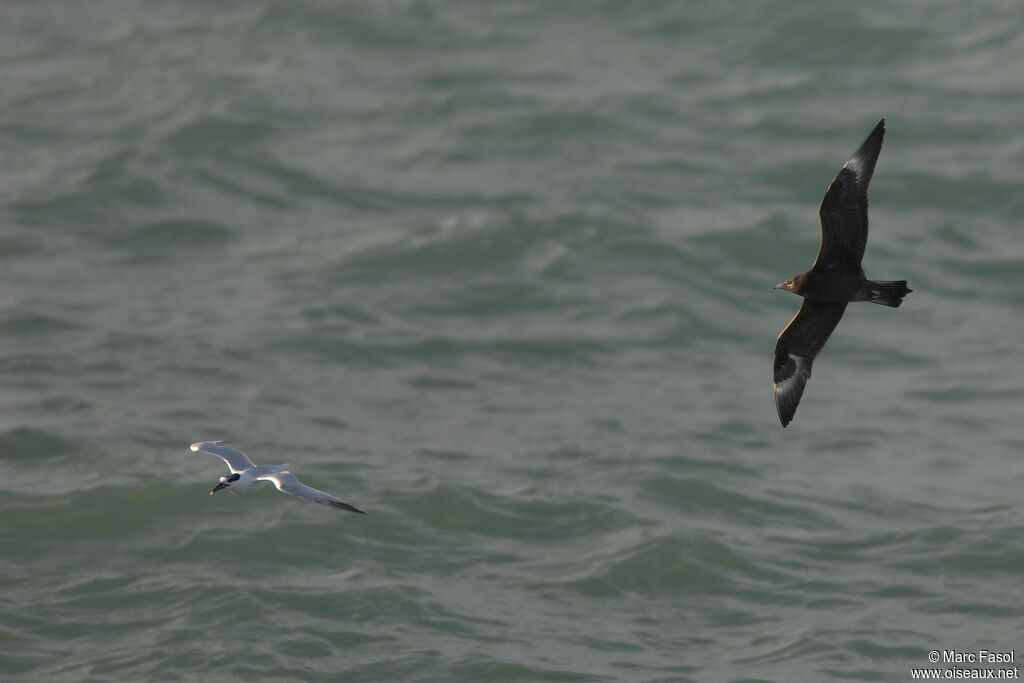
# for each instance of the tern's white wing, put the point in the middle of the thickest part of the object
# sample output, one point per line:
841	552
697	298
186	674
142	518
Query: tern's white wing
288	483
236	459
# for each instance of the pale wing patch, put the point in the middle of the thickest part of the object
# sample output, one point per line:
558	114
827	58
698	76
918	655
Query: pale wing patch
854	164
790	381
796	370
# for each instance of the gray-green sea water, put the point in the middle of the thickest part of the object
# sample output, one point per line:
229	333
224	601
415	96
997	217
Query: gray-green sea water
499	273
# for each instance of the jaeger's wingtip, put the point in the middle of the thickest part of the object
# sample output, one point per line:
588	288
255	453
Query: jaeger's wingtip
783	421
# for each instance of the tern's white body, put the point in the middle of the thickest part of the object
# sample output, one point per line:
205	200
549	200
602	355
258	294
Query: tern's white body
246	476
250	479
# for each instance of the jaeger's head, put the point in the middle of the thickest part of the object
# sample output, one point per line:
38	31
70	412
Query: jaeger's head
225	482
793	284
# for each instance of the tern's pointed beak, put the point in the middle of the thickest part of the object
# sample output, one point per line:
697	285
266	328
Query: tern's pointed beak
779	286
218	487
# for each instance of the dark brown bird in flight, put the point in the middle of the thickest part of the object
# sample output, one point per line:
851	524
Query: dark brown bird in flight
835	278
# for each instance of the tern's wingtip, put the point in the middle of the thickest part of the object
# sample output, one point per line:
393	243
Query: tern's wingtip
342	505
198	445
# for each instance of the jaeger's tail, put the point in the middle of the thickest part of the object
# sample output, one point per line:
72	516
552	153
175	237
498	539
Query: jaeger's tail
888	293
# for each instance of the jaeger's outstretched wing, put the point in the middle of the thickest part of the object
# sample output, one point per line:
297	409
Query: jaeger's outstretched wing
844	210
796	349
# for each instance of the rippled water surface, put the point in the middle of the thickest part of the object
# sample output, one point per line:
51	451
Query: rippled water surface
499	274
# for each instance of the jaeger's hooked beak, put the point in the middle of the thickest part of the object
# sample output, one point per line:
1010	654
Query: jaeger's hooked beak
218	487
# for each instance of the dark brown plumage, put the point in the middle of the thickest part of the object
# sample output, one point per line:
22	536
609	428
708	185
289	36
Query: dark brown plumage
835	278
